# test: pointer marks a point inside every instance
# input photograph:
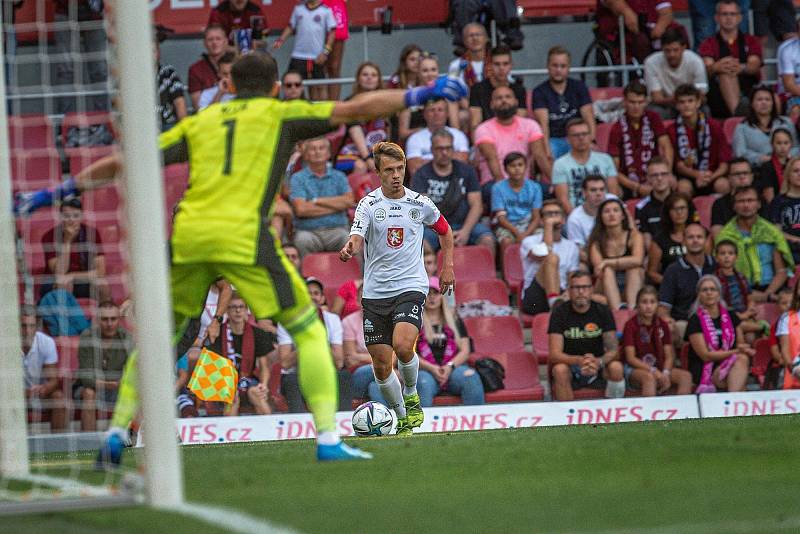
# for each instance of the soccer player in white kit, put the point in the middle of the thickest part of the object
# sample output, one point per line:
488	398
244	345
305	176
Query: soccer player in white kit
389	224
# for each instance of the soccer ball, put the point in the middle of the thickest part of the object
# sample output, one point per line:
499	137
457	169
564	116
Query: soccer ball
372	419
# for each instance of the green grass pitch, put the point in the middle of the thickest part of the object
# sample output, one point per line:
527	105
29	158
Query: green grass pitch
719	475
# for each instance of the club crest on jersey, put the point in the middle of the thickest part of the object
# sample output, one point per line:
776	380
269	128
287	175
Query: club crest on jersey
414	214
394	237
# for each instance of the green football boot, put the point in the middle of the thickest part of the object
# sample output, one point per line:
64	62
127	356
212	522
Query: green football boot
404	428
414	412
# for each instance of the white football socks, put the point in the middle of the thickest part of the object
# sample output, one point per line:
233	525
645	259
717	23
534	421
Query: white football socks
409	371
390	389
328	438
615	389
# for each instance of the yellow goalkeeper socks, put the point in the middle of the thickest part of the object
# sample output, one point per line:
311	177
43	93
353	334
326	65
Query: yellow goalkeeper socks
315	369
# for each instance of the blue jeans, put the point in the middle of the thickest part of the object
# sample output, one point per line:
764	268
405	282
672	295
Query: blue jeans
478	231
558	146
364	386
702	15
464	381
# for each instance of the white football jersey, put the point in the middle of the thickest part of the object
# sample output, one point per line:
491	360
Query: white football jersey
393	230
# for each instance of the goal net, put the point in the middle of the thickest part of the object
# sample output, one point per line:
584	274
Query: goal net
79	81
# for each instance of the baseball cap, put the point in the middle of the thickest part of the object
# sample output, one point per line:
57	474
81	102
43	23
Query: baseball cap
433	283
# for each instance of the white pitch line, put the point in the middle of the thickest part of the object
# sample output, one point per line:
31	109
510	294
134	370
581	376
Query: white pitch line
233	520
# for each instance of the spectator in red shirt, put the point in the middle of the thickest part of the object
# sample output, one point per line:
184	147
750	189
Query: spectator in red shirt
701	152
772	376
635	139
236	15
204	72
733	60
648	350
73	255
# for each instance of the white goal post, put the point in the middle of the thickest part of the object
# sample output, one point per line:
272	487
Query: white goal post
130	31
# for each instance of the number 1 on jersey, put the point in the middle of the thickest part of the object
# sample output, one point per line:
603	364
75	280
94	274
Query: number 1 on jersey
231	127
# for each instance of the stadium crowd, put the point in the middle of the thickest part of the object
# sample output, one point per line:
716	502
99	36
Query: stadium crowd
660	248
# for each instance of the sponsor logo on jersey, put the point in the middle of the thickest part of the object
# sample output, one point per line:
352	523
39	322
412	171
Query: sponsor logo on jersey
415	202
368	326
394	237
380	214
414	214
590	331
394	208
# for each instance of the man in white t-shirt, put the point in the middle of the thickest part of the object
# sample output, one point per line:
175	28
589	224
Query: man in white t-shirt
40	363
221	92
674	65
287	353
389	223
547	259
580	222
314	27
418	146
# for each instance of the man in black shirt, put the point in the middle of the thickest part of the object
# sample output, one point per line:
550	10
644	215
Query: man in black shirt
677	292
740	174
248	347
648	210
582	339
480	94
453	186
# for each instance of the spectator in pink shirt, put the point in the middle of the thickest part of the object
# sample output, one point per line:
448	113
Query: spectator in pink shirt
505	133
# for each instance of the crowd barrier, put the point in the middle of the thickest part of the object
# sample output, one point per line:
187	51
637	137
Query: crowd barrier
498	416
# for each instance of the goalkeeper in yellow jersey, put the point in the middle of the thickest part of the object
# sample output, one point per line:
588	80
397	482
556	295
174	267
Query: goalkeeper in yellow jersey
237	153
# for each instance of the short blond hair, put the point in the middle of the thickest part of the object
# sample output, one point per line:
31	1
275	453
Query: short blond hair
786	173
389	150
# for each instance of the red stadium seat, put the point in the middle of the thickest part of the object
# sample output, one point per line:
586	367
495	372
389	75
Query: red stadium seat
729	127
762	359
472	263
522	377
551	8
35	169
493	290
362	184
768	311
102	200
329	269
495	334
82	157
703	206
602	134
30	132
274	386
630	205
621	317
539	337
604	93
512	266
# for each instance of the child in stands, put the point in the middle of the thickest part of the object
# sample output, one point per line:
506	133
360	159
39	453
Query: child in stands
735	289
648	350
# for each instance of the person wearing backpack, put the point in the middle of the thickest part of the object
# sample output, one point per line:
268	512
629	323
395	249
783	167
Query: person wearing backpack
443	349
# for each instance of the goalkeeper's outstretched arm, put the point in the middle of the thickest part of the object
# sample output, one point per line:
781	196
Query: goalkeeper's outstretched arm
95	175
